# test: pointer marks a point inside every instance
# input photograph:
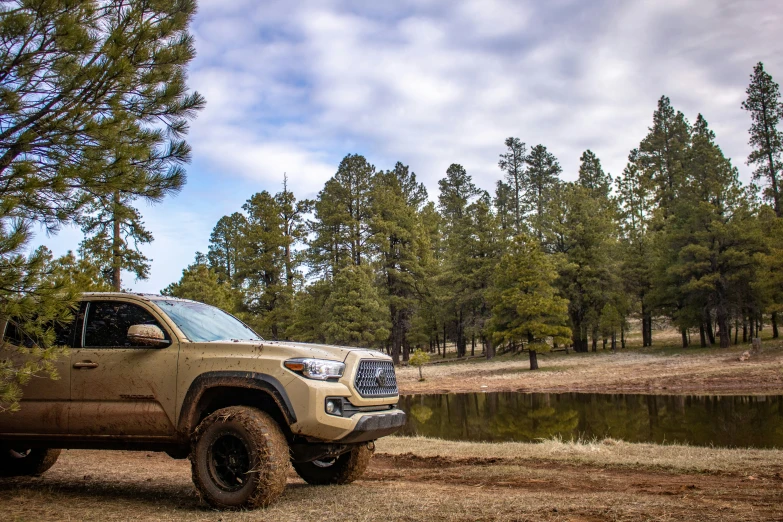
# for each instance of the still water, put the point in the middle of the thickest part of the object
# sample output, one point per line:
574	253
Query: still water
727	421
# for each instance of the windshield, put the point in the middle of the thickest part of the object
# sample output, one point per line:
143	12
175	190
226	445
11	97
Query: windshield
204	323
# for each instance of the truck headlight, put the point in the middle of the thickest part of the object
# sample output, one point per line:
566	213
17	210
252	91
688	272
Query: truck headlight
318	369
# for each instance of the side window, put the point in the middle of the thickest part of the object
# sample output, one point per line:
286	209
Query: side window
108	323
63	334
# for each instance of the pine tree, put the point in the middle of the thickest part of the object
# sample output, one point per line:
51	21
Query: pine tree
593	177
342	215
225	244
713	239
513	165
457	192
586	271
355	313
526	307
635	207
93	102
766	110
542	177
400	241
200	283
262	265
662	154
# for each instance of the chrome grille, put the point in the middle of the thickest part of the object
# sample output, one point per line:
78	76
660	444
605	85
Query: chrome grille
376	378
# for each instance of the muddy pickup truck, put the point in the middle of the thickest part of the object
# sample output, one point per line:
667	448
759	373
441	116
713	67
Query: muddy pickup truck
156	373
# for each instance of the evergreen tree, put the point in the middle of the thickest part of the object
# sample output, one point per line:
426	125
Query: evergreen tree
526	307
225	245
513	164
635	206
200	283
355	313
542	177
586	271
262	265
457	191
342	215
80	273
766	110
593	177
93	102
400	241
662	154
713	239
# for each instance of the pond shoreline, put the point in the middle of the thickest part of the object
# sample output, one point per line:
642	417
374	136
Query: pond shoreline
712	371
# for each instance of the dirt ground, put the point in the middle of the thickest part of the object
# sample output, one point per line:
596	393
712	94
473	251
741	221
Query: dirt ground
657	370
421	479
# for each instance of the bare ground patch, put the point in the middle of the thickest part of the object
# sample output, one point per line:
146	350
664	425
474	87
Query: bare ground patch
425	479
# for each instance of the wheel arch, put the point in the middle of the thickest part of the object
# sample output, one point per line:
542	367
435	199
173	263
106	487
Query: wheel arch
212	391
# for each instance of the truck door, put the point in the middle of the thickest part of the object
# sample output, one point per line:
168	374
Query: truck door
45	402
119	389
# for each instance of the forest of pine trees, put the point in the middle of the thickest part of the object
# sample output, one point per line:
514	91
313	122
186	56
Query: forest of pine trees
373	261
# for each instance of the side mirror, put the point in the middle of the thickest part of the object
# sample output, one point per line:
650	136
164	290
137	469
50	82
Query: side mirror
147	335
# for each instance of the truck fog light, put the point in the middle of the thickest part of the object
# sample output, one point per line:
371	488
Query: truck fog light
334	407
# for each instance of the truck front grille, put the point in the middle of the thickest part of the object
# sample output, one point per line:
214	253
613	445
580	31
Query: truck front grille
376	378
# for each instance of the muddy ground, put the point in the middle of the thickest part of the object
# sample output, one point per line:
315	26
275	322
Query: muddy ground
434	484
658	370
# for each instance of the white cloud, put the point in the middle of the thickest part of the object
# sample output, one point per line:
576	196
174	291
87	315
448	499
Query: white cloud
294	86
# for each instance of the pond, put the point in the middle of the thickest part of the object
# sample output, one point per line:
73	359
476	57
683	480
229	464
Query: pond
725	421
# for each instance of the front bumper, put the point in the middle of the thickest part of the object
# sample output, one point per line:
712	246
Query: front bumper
375	426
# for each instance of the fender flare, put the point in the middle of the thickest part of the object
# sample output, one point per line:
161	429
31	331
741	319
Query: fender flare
232	379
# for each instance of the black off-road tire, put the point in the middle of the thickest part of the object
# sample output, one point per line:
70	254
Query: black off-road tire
342	470
239	459
15	462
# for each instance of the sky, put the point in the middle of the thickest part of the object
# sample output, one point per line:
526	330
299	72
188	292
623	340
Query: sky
294	86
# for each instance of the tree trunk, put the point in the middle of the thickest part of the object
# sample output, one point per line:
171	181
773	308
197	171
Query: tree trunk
711	330
736	331
684	333
702	335
490	351
533	360
723	328
473	345
614	341
116	246
744	329
774	320
622	336
444	339
603	340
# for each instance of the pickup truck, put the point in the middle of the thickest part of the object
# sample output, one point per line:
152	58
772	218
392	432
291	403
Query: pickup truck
156	373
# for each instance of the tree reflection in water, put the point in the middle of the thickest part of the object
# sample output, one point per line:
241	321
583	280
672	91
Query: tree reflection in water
728	421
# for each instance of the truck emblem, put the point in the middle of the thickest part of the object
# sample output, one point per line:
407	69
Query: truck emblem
380	377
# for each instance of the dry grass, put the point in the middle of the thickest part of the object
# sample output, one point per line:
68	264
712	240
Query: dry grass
420	479
605	452
658	370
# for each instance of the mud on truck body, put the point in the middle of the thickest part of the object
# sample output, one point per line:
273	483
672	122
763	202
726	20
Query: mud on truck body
162	374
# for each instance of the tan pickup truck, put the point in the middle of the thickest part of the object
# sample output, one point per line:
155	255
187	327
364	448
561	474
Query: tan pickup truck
156	373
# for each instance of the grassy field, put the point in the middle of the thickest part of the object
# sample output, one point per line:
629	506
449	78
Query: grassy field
426	479
663	369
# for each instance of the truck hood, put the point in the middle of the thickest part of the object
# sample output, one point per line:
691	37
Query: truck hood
315	351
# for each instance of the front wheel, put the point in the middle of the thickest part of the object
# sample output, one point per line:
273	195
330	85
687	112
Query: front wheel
18	462
340	470
239	459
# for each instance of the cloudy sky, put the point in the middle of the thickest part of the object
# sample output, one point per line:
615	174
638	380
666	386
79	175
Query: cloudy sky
293	86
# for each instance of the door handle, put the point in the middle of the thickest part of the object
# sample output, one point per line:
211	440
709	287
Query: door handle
85	364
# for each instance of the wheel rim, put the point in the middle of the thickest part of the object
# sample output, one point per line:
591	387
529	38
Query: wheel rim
324	463
19	454
229	462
